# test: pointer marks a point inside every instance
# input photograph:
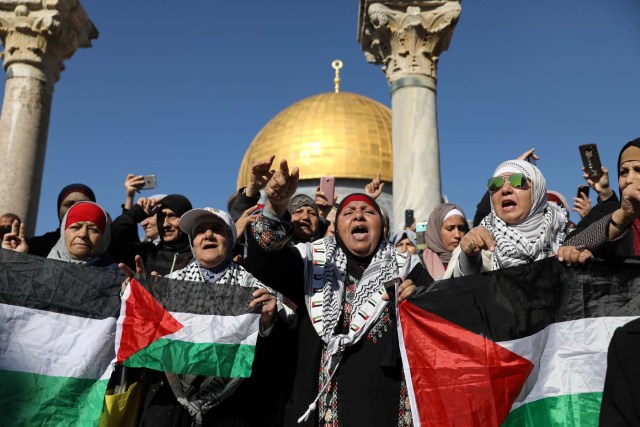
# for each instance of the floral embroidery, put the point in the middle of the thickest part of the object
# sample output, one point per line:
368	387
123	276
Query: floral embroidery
269	234
404	415
381	327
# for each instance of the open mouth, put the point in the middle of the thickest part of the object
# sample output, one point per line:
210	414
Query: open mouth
360	232
210	246
508	205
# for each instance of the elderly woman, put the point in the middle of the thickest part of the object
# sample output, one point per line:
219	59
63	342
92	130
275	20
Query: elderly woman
84	237
348	370
447	226
405	242
522	227
177	400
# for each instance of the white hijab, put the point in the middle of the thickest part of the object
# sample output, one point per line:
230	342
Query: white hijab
536	237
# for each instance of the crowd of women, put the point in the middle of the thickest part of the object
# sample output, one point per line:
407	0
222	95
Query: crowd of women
327	352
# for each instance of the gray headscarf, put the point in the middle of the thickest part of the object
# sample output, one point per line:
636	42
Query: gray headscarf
60	251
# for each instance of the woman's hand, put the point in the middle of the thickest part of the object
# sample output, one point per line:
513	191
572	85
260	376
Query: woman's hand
129	272
573	255
582	205
599	184
405	290
15	241
269	305
477	239
261	173
323	204
281	187
374	188
245	219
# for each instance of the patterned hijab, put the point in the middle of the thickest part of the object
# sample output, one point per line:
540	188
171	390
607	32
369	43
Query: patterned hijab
60	251
536	237
433	237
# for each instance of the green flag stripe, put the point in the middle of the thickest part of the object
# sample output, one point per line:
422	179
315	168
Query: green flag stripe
208	359
569	410
31	399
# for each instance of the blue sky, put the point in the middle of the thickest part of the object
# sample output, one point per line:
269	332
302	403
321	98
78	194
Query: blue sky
181	90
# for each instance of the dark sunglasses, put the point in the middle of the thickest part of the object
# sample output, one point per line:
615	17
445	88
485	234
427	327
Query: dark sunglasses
517	180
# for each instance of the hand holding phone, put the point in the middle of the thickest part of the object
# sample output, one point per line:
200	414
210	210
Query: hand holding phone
583	189
421	231
591	160
408	218
327	186
150	182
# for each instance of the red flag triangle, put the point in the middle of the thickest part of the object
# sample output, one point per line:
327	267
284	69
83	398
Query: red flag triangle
459	378
145	321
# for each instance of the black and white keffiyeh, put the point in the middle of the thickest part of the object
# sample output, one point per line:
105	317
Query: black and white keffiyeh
541	232
325	277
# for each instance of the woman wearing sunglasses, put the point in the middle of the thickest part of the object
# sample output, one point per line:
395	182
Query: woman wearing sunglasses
521	228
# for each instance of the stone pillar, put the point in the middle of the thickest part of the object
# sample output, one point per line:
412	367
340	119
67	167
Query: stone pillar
407	38
37	36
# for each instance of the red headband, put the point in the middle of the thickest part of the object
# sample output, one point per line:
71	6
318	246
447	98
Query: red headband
86	212
357	198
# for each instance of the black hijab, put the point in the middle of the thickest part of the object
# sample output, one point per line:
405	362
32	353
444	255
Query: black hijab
179	204
356	265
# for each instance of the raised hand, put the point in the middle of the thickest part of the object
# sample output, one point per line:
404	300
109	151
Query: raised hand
477	239
245	219
261	173
599	184
15	241
582	205
281	187
324	205
374	188
531	153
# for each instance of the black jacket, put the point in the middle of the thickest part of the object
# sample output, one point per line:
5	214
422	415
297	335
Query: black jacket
621	395
125	245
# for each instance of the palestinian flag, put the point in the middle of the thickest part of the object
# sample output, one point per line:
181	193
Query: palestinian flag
525	346
187	328
57	328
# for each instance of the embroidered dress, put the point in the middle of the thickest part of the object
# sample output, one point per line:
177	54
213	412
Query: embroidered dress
349	367
328	402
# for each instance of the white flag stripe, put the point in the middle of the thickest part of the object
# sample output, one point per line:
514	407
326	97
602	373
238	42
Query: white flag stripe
205	329
568	357
54	344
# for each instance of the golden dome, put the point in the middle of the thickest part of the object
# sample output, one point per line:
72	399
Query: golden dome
331	134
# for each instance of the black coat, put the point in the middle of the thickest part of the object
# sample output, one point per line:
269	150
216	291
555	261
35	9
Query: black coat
125	245
621	396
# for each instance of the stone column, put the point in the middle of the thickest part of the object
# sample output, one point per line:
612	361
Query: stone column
38	35
407	38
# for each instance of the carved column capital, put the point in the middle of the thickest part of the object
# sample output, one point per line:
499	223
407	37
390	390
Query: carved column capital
39	35
407	39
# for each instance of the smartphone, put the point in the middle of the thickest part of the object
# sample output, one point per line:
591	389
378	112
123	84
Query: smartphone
408	218
583	189
328	186
149	182
591	160
421	231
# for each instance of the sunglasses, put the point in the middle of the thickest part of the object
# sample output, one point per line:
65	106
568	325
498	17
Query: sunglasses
516	180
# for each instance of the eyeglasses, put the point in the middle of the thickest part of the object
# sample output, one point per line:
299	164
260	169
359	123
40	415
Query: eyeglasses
516	180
